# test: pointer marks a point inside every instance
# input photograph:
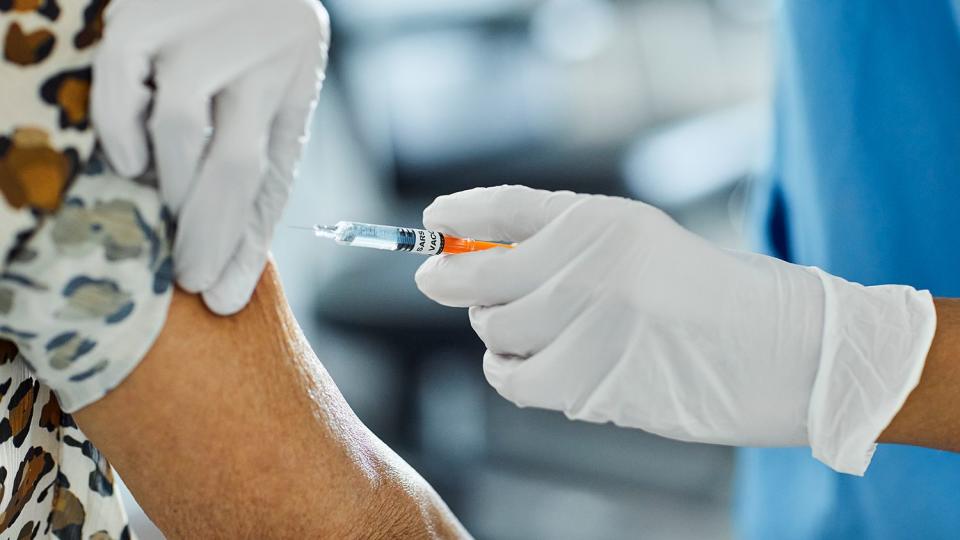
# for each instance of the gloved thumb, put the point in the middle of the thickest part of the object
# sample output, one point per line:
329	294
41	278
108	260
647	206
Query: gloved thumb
504	213
498	370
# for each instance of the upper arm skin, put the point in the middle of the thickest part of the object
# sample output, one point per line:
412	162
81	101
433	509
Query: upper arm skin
231	427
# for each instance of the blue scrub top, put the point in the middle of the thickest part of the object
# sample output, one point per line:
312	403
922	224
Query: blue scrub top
865	183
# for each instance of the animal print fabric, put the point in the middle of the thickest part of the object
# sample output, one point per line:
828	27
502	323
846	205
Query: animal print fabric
85	275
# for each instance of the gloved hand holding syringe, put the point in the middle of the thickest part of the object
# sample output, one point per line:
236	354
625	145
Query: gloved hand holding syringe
385	237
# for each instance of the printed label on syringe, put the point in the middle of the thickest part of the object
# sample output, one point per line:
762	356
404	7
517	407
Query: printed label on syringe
420	241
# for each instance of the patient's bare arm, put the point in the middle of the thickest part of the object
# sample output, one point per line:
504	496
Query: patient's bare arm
232	428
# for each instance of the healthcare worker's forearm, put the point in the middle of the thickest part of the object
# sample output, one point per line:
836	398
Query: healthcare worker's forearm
931	415
231	428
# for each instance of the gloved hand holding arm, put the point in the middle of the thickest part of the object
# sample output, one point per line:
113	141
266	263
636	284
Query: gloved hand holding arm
224	91
609	311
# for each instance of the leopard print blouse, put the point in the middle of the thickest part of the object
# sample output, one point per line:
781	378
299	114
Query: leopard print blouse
85	279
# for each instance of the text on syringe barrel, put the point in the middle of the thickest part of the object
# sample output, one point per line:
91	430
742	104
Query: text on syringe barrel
421	241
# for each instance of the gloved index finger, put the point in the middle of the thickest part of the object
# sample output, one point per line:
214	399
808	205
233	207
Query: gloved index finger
504	213
235	286
213	218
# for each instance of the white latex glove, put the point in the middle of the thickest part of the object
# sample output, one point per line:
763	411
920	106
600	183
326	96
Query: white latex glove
234	83
609	311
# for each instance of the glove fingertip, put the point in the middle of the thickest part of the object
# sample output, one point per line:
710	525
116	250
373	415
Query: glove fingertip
191	278
225	305
129	163
189	286
497	370
126	149
446	210
429	280
434	216
233	291
445	280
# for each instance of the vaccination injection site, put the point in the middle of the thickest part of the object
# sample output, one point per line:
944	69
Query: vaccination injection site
492	269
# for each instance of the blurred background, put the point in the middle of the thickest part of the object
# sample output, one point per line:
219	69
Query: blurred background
664	101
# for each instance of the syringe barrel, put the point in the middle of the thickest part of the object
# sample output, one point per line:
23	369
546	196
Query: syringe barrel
389	238
386	237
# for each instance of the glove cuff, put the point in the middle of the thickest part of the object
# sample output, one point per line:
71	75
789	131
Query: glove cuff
874	347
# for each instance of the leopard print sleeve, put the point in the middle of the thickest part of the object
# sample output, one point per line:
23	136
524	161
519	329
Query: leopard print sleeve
86	275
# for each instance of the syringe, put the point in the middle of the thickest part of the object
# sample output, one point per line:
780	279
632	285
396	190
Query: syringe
423	242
